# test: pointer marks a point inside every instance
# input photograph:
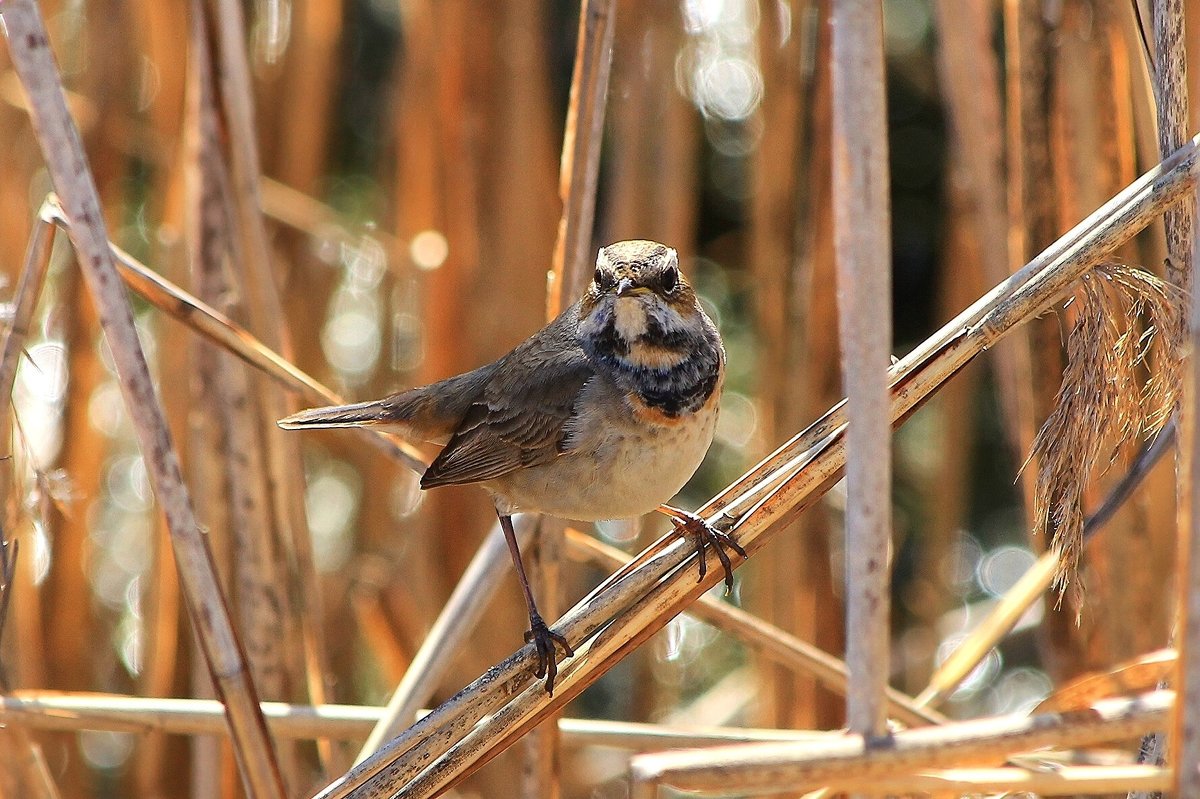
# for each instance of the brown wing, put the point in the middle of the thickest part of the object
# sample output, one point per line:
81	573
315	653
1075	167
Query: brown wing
520	419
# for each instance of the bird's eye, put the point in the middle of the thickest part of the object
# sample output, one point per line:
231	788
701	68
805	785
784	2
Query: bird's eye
670	280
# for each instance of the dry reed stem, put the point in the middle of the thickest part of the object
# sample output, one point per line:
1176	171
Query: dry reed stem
850	761
580	167
771	494
1170	88
221	390
1003	617
768	640
74	711
1026	167
861	218
952	782
1186	726
292	208
455	623
67	163
253	266
1179	220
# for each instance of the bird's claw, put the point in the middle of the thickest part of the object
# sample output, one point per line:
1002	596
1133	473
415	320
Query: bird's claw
544	640
704	534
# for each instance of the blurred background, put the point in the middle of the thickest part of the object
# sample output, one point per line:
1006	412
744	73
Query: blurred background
410	156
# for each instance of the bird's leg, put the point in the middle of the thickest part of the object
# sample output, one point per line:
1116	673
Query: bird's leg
703	533
541	636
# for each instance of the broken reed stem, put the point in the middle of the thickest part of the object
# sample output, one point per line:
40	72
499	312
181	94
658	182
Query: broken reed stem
769	496
851	761
765	638
29	290
863	248
67	163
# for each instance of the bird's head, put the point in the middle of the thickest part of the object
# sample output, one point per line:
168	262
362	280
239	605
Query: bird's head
640	305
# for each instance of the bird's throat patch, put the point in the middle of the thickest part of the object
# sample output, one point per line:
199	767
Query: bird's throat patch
629	318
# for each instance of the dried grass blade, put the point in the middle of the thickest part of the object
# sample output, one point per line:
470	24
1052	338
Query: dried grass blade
63	152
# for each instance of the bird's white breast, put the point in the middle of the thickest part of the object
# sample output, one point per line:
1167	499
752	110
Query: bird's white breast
619	465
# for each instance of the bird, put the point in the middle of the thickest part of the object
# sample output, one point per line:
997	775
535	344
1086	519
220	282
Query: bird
604	413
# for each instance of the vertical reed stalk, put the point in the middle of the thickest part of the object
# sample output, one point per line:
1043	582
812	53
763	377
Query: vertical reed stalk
863	246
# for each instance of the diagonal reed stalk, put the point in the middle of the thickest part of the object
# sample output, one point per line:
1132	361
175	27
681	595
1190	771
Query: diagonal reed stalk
447	745
68	166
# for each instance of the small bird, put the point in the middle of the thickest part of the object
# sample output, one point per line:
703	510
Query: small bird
604	413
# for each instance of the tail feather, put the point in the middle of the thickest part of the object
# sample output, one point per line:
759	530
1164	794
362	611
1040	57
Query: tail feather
429	413
359	414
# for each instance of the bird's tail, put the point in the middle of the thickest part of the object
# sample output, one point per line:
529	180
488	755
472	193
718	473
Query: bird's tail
359	414
429	413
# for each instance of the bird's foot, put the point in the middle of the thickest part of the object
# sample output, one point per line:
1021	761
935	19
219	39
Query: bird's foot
704	534
544	640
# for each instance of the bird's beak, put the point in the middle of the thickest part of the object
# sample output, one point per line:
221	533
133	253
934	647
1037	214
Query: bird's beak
626	288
